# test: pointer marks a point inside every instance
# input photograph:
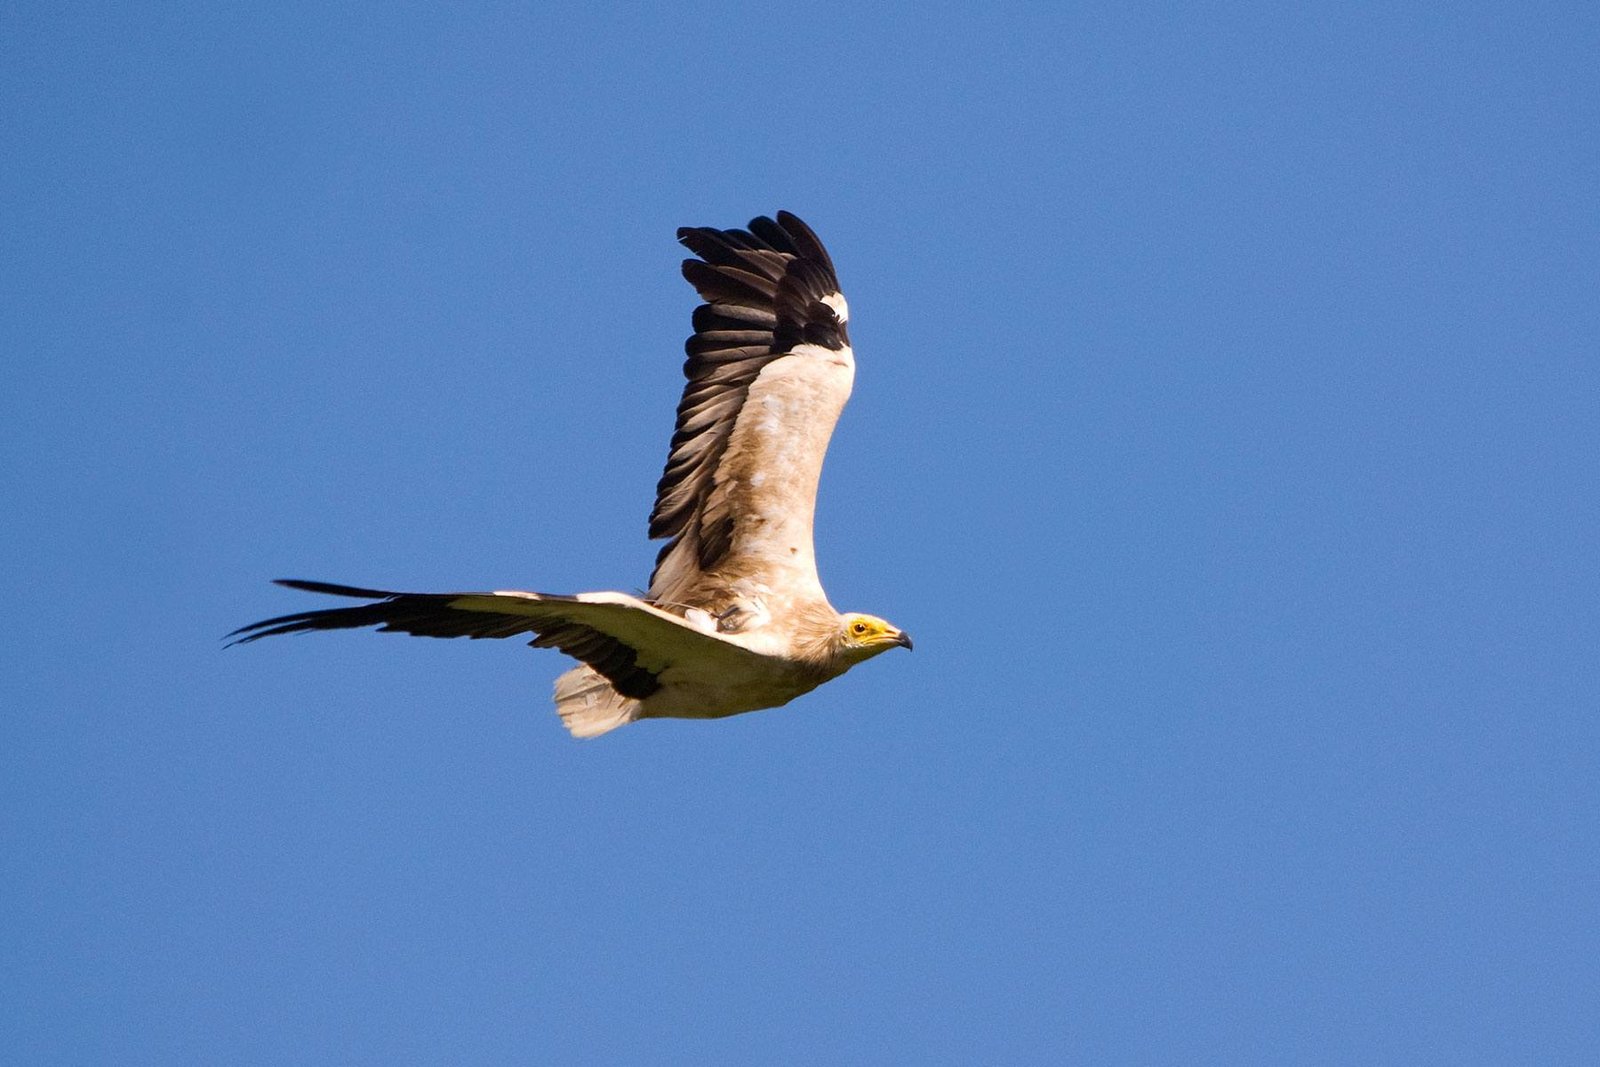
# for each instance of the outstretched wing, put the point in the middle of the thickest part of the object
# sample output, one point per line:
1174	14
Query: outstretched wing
626	641
769	370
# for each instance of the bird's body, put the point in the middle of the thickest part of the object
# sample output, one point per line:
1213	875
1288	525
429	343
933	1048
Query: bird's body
735	618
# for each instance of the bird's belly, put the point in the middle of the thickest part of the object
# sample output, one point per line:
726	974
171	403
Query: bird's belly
689	697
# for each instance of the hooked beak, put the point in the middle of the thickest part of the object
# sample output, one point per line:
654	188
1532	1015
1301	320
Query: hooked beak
903	639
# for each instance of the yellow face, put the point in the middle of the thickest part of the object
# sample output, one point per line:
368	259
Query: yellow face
870	634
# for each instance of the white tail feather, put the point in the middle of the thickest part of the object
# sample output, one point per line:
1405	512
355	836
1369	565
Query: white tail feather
589	706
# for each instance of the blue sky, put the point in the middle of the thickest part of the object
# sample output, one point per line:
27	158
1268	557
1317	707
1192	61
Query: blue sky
1225	431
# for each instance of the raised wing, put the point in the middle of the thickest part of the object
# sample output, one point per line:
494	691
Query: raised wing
769	370
625	640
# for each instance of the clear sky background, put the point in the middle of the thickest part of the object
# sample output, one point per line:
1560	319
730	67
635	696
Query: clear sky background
1226	431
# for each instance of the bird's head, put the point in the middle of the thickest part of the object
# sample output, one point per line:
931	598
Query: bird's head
864	636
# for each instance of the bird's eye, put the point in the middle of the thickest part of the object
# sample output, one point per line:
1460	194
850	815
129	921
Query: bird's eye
859	628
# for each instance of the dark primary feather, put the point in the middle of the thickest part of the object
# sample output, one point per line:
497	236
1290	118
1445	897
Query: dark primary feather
430	615
763	289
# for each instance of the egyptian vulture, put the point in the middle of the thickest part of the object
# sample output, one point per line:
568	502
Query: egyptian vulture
735	618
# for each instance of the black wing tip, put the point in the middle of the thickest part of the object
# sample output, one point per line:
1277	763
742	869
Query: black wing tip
282	624
801	239
736	266
782	231
334	589
787	221
301	621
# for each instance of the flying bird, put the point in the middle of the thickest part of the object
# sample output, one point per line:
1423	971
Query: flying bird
735	618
